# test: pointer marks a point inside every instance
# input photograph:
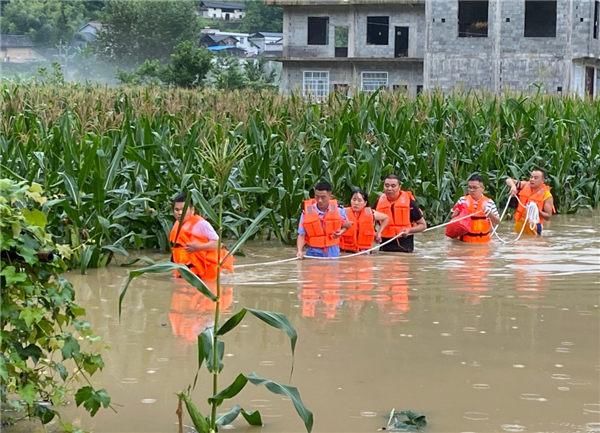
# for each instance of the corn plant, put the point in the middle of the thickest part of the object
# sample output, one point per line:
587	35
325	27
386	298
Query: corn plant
222	158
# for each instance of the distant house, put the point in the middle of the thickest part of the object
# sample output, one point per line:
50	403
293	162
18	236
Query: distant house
87	33
270	44
227	50
18	49
243	40
228	11
214	40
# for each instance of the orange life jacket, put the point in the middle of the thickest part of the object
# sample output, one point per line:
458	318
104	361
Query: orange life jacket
203	263
319	232
480	226
398	211
361	234
526	196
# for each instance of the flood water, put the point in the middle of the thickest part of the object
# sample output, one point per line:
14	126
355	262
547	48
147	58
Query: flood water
477	338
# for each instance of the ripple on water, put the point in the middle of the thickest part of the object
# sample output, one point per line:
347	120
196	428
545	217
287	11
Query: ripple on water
148	400
513	427
591	408
129	380
450	352
266	363
481	386
532	397
559	376
476	416
592	427
368	413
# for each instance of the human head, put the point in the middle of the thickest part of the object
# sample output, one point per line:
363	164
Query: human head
391	186
537	178
322	194
358	199
475	186
179	204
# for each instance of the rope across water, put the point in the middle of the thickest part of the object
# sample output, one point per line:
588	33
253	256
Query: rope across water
531	217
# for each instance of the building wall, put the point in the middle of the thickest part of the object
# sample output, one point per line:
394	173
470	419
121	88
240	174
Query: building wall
216	13
355	18
349	73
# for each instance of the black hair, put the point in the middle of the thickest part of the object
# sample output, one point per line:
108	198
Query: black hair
541	170
475	178
323	186
179	198
392	176
361	192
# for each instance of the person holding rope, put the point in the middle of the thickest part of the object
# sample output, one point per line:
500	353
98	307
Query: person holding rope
405	217
483	211
195	243
360	236
533	199
321	225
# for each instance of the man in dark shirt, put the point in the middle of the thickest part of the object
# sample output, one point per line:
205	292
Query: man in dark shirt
405	216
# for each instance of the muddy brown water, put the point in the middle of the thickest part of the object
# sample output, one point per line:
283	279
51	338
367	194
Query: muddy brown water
478	338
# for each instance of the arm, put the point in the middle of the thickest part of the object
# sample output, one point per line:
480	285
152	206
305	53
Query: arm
513	185
199	246
383	221
418	227
546	211
300	242
203	229
345	225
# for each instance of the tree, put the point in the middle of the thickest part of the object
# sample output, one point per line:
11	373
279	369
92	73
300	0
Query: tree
260	17
228	74
187	68
47	22
137	30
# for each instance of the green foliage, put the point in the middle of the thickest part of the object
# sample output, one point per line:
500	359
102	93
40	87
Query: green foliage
41	325
187	67
135	31
47	22
223	157
111	158
228	74
261	17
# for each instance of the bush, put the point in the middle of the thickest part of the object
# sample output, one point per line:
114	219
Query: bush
42	326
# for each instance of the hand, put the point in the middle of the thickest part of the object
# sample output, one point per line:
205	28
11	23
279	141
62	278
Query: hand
338	233
513	190
378	238
300	255
404	233
193	247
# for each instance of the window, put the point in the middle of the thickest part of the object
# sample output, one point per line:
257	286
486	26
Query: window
540	19
318	33
316	84
341	88
403	88
372	81
473	19
596	18
419	89
341	41
378	29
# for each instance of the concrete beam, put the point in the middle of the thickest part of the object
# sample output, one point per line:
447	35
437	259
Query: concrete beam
340	2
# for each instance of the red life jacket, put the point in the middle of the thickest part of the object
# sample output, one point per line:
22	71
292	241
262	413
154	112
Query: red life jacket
203	263
319	232
398	211
361	234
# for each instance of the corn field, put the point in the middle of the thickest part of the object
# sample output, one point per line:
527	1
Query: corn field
112	158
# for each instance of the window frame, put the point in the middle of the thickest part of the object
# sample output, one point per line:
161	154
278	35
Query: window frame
387	34
462	29
532	12
362	81
308	32
314	82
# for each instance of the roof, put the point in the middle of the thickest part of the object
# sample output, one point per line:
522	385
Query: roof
267	35
222	48
219	38
96	25
339	2
15	41
223	5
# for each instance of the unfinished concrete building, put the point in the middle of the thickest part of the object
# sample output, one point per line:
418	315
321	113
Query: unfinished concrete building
411	45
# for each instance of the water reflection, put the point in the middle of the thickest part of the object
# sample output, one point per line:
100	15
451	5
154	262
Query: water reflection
471	270
191	312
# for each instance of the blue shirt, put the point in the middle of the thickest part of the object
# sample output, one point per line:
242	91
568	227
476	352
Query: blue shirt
332	251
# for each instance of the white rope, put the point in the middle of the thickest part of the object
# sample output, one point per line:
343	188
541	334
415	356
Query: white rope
532	215
376	247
